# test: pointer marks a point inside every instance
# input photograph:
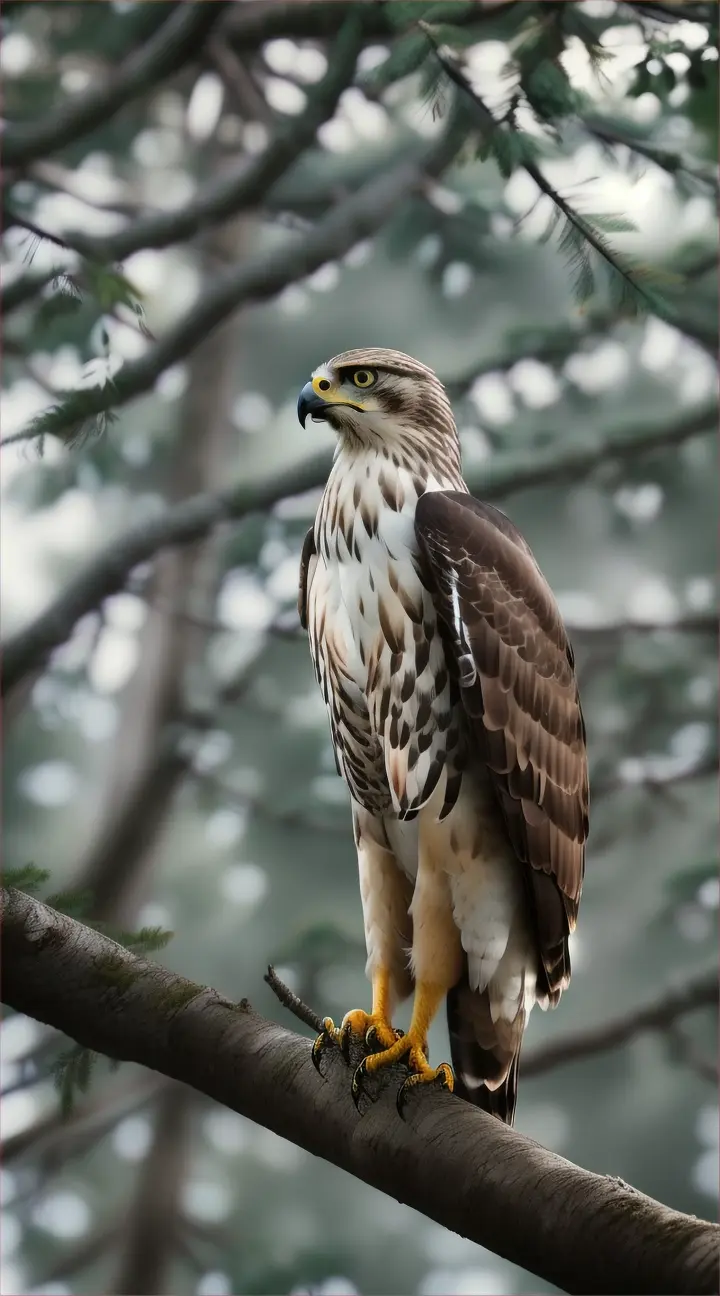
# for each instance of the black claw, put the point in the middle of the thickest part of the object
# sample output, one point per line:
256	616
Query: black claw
317	1050
401	1099
371	1040
345	1038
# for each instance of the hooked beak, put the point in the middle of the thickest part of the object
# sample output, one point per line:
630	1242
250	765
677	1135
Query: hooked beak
310	403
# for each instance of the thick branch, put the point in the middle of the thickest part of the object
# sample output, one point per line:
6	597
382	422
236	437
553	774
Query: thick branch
108	571
246	185
661	1014
178	40
250	25
582	1231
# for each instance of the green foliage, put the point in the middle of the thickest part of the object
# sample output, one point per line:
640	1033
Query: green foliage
511	148
145	941
26	878
74	904
72	1072
74	420
548	90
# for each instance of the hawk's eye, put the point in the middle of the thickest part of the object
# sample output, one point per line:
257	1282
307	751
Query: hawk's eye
363	377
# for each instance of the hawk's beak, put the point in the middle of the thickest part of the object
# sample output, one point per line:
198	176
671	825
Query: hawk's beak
310	402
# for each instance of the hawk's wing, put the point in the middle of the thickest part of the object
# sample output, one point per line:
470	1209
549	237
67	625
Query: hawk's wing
507	647
306	564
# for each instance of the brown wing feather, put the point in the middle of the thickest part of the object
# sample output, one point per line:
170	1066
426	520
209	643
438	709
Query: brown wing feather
516	677
308	552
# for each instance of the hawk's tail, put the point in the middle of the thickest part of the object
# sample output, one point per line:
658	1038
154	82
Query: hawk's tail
484	1053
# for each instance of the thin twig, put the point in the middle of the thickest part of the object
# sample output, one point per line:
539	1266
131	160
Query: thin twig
691	1056
662	1013
292	1002
179	39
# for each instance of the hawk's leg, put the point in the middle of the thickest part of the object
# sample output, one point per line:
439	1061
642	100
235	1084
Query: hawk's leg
437	964
375	1027
411	1047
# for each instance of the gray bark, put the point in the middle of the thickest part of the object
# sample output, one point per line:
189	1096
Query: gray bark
582	1231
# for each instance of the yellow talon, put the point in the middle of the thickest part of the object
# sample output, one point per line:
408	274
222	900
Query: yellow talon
373	1028
415	1050
441	1075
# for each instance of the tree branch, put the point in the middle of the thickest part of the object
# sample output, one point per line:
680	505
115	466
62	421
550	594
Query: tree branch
359	216
249	27
453	1163
701	623
151	1232
657	782
667	159
178	40
191	520
246	185
660	1015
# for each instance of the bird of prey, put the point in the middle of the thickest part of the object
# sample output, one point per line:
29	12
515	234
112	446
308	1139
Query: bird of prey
456	722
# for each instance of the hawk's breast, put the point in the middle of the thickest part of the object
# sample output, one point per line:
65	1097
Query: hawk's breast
378	656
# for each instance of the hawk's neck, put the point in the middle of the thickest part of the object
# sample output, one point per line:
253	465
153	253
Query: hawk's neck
366	487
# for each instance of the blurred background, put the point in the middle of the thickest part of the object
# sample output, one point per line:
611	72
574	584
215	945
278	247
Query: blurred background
167	290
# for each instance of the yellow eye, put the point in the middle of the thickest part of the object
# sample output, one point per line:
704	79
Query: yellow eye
363	377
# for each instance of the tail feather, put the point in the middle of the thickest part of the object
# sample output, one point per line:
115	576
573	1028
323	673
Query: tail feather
485	1054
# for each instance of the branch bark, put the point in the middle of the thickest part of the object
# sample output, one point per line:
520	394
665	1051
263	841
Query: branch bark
178	40
584	1232
192	519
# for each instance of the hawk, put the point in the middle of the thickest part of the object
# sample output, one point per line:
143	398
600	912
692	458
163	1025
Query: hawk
455	717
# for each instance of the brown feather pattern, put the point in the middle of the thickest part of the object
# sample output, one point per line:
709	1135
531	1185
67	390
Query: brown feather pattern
523	701
445	654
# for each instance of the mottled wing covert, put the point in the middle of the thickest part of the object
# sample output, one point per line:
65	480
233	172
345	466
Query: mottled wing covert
507	648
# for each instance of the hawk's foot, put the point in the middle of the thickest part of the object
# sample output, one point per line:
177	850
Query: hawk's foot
414	1050
442	1076
373	1028
330	1034
378	1033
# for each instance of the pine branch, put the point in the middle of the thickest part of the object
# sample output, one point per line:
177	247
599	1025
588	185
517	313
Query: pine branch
108	571
669	161
516	151
359	216
23	289
249	26
179	39
246	184
453	1163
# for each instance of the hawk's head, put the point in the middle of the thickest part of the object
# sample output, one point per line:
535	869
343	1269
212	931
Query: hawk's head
381	398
